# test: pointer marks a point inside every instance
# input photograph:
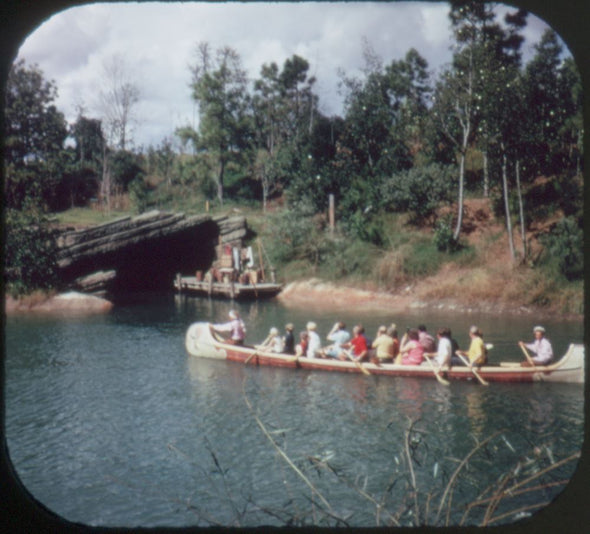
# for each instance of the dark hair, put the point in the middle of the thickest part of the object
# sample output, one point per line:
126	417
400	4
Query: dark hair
414	334
444	332
422	328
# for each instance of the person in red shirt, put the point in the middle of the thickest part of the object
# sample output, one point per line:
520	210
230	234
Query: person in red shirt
357	345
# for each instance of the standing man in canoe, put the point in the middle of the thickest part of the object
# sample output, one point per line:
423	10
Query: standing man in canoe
235	326
540	347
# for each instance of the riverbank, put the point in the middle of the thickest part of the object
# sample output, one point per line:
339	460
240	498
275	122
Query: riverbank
330	296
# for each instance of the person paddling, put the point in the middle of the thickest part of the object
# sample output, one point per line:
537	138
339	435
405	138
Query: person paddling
235	326
445	349
540	347
477	355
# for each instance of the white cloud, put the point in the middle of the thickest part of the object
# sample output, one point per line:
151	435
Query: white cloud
159	39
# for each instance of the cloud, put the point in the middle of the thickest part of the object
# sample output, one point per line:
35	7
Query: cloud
158	41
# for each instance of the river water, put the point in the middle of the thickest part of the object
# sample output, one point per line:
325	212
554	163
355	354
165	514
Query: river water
109	422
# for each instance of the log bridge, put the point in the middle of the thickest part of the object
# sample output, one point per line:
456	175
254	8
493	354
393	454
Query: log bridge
143	252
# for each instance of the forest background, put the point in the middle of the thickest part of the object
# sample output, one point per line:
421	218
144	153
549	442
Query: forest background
466	185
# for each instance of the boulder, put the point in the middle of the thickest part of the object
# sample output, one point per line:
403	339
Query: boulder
71	302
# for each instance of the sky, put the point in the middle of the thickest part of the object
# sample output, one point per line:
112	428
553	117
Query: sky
157	43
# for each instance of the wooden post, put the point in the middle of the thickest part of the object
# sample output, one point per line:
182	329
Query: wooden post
260	259
331	212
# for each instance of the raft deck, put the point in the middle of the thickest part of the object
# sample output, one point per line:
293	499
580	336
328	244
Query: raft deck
229	289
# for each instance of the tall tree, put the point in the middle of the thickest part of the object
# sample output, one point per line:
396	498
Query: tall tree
119	97
284	113
35	133
544	97
461	88
220	89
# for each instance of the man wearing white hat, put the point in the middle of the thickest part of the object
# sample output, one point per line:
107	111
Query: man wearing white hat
235	326
541	347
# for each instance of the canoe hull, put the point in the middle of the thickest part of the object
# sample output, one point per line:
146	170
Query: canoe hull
200	342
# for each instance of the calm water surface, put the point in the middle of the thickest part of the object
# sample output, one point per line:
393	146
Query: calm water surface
109	422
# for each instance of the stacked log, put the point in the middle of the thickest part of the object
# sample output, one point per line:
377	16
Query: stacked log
136	249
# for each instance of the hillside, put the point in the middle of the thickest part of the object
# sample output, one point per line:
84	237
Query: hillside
488	281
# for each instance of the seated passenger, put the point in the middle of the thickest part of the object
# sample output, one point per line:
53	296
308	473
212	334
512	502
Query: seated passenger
477	354
540	347
445	349
411	349
338	336
289	339
426	340
274	342
314	343
356	348
384	346
301	347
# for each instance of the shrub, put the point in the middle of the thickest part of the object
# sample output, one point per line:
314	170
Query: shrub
564	249
30	252
443	235
138	194
419	190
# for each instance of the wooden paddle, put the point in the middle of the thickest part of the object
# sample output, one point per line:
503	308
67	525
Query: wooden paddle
477	375
356	362
442	380
255	353
528	356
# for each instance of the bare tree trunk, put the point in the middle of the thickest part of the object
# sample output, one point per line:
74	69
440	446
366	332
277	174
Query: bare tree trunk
220	181
486	175
461	187
507	206
106	178
521	211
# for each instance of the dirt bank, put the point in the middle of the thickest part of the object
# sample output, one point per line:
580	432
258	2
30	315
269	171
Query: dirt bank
329	296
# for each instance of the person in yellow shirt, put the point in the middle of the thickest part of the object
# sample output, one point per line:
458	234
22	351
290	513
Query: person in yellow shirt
383	347
477	354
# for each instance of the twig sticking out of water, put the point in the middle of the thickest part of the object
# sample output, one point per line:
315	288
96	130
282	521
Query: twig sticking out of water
284	456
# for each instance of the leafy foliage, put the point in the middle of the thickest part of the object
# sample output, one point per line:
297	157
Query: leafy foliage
30	252
419	190
34	134
443	235
565	248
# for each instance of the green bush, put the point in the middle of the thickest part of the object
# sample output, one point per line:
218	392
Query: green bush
30	253
138	194
424	260
564	249
419	191
443	235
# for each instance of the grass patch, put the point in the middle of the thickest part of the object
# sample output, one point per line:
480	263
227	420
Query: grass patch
87	216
